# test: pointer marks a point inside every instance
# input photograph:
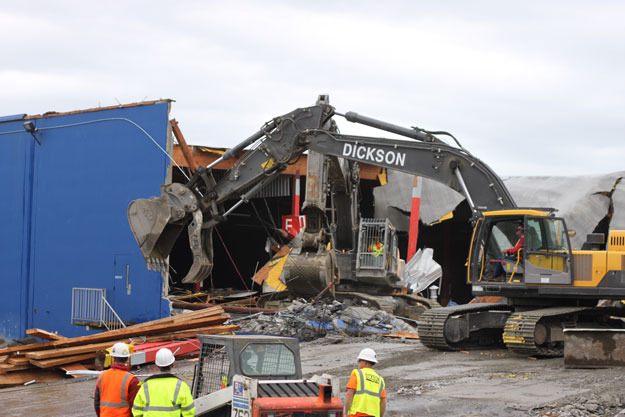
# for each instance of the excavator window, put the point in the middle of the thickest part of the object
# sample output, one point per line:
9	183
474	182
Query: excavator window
501	250
547	249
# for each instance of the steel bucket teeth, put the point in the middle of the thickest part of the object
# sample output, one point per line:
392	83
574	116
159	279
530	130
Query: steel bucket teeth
201	244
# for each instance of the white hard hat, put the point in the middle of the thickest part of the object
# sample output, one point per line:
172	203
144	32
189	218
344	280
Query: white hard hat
368	354
164	358
120	350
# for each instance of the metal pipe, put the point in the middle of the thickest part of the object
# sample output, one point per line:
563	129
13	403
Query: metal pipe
233	208
465	190
247	142
389	127
215	162
246	197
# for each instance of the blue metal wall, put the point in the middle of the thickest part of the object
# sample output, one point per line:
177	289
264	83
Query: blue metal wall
63	214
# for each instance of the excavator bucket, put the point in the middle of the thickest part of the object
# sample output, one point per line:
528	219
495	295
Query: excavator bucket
157	223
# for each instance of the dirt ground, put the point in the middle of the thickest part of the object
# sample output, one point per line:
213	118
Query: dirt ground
420	382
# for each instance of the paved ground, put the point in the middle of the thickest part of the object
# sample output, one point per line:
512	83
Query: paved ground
420	382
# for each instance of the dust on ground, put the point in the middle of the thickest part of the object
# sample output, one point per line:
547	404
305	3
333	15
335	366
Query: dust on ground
423	382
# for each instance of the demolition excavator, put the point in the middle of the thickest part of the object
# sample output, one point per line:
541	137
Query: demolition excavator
547	286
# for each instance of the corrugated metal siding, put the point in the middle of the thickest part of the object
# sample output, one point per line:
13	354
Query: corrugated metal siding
280	187
84	174
582	267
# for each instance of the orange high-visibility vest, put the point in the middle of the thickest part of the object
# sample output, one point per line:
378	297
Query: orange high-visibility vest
113	385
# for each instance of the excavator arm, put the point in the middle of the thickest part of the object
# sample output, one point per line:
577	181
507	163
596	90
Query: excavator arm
157	222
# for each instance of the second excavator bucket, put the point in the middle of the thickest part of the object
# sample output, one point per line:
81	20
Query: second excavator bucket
157	222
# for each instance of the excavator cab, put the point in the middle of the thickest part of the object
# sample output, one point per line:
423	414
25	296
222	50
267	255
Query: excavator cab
520	247
377	249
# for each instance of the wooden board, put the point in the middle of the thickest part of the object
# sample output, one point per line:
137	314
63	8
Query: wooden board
70	351
74	367
44	334
189	334
403	335
21	377
52	363
7	367
18	360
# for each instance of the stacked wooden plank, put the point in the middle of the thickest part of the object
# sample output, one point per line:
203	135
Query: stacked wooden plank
20	364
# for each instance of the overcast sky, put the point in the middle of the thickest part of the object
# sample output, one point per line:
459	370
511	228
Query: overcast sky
531	88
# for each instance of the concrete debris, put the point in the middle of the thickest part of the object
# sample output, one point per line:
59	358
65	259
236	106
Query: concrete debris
602	405
308	321
421	271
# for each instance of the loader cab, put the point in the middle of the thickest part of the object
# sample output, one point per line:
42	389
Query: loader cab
517	247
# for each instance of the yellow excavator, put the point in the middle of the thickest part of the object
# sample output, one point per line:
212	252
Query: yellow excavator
525	256
522	254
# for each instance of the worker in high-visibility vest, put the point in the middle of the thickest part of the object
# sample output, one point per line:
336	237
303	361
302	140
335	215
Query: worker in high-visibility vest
366	390
163	394
116	387
376	248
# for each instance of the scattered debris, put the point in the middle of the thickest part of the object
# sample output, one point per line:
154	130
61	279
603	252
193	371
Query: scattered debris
231	302
308	321
413	390
41	361
600	405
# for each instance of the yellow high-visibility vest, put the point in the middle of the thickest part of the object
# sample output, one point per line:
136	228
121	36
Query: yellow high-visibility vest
368	395
163	395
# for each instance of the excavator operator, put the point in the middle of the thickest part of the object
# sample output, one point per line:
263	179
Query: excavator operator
520	234
512	253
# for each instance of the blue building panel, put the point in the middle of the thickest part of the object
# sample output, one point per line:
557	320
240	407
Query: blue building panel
84	169
15	181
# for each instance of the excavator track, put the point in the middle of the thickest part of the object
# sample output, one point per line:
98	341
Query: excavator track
524	330
433	325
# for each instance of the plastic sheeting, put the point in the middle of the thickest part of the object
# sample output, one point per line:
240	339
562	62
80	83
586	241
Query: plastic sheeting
421	271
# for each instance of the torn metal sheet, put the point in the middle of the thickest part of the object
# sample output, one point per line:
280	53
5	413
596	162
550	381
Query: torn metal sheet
395	197
581	200
618	200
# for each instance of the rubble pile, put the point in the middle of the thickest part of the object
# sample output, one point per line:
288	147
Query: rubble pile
308	321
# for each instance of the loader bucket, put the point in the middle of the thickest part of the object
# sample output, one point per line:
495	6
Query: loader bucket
157	223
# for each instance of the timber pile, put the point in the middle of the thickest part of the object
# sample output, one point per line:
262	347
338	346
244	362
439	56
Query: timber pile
202	300
42	361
